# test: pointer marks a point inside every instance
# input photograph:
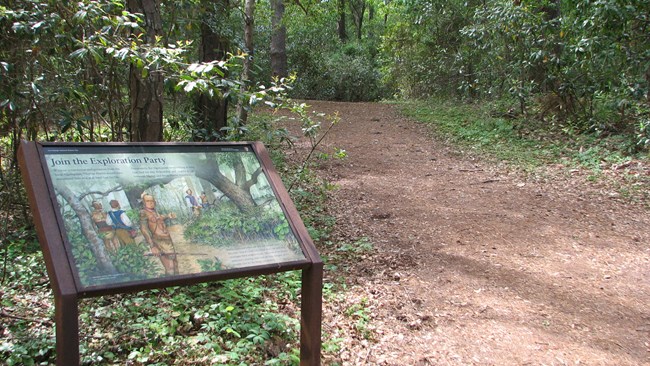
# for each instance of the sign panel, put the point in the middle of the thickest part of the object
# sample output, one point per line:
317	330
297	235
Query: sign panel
132	213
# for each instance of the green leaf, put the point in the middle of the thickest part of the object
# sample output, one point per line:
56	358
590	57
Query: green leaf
80	53
189	86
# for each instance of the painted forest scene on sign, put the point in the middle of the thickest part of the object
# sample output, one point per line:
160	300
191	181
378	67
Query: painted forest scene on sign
133	214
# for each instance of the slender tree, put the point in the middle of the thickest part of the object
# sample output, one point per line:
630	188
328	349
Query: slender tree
249	10
358	8
279	67
146	86
340	25
212	110
96	244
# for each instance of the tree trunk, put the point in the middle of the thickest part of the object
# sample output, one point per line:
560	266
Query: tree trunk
134	195
279	67
213	111
340	26
249	11
551	13
358	8
87	228
146	86
371	16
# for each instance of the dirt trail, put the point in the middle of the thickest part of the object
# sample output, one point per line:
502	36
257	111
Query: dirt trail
476	265
190	252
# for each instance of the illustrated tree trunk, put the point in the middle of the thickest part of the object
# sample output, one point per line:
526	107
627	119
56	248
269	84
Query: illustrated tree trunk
146	86
134	195
239	196
207	188
340	26
279	67
249	10
240	171
133	192
238	191
87	228
212	111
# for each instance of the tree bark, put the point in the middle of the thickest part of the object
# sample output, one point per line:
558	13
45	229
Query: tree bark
340	26
212	111
239	190
207	188
279	67
371	16
239	196
358	8
146	86
249	11
551	12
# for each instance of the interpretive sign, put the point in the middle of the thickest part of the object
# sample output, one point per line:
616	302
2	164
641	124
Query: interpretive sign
133	213
115	218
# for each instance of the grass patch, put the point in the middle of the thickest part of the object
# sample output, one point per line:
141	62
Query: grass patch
472	128
523	143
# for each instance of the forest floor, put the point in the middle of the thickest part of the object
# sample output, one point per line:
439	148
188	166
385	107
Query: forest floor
475	263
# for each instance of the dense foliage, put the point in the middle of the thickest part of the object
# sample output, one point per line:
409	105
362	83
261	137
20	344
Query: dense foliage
221	225
584	65
67	68
227	323
238	322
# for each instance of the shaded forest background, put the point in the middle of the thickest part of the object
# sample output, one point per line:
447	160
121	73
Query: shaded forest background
147	70
152	70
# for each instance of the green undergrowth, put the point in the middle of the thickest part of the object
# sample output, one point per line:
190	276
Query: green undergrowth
526	143
471	128
245	321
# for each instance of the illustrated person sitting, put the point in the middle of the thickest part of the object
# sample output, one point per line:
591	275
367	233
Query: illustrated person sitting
204	201
106	231
121	223
192	203
154	230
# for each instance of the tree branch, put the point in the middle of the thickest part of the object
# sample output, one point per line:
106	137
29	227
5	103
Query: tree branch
251	182
4	314
297	2
311	152
103	194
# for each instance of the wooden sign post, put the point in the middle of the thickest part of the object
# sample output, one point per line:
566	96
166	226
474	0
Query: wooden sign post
91	201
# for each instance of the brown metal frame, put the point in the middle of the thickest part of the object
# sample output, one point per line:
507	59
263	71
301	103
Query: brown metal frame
67	290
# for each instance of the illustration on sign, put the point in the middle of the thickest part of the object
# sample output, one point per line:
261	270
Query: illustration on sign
133	213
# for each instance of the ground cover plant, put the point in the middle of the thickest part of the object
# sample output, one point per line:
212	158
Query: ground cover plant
243	321
253	321
528	145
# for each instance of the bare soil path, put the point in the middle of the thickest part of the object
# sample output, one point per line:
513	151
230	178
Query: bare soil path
477	265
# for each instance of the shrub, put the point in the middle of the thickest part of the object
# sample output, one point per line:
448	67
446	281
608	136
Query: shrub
349	74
